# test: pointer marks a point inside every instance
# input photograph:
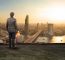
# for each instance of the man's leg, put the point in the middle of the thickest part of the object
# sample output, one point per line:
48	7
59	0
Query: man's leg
9	40
13	40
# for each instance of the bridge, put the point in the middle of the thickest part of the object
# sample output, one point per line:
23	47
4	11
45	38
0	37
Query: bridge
33	38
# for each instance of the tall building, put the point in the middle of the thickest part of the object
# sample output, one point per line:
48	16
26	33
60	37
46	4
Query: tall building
50	29
42	26
37	26
26	28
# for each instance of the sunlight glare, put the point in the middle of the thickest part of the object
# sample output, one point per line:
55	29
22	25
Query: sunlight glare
57	40
56	13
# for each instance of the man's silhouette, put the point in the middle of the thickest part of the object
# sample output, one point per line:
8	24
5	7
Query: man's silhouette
12	29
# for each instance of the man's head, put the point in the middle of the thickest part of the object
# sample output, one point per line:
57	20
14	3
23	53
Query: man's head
11	14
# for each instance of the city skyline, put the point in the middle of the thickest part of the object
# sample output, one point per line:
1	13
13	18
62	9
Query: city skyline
41	11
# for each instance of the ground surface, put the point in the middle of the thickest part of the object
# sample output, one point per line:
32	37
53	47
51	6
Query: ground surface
33	52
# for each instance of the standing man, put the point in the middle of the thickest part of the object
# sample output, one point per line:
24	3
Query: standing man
11	27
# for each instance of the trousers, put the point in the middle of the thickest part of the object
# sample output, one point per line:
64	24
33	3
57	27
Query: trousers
12	39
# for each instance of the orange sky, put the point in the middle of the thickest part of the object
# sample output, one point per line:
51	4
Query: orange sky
41	11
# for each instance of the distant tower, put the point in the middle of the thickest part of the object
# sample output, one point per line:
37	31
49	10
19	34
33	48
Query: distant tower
26	28
50	29
37	26
42	26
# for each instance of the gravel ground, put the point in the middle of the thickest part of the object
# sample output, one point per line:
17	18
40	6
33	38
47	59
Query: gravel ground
33	52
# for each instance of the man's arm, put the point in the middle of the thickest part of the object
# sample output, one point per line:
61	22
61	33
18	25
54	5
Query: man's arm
16	25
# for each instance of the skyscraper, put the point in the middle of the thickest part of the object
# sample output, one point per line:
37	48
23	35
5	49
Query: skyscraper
26	28
37	26
50	29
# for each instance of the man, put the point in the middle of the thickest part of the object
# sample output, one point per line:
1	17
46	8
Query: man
11	27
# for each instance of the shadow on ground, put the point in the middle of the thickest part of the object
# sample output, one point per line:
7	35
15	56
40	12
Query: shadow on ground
33	52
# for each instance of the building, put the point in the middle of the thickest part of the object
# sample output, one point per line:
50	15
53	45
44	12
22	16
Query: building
50	29
26	27
37	26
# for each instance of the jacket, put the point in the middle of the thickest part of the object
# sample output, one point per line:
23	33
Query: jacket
11	25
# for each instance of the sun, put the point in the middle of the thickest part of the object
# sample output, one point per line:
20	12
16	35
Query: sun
53	13
56	13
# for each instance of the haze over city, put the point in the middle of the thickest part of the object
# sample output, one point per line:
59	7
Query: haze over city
44	11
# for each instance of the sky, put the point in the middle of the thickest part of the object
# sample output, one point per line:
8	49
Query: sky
41	11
